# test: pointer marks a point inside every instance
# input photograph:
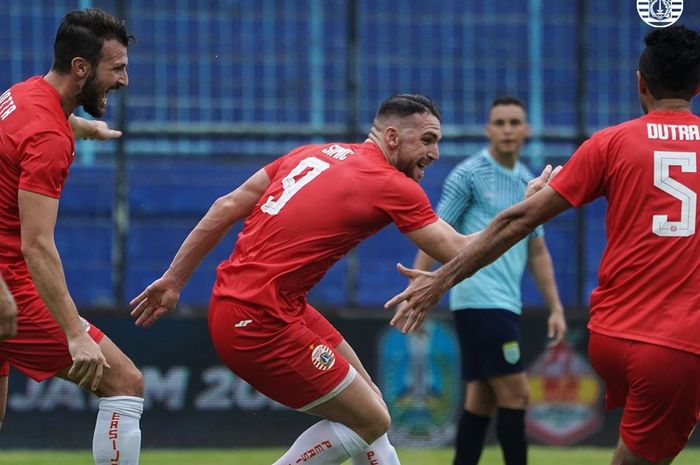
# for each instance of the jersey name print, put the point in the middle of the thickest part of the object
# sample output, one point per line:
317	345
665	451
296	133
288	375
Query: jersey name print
673	131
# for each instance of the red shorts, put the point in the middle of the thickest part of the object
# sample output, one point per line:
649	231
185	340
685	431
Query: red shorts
294	364
40	349
658	387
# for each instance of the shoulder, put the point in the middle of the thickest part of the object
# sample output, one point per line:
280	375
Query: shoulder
35	110
627	128
470	167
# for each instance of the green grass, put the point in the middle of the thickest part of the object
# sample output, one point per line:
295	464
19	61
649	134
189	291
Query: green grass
538	456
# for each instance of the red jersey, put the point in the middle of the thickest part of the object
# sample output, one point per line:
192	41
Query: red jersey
36	150
649	275
321	202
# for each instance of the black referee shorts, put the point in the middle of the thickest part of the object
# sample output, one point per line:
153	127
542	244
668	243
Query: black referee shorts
489	341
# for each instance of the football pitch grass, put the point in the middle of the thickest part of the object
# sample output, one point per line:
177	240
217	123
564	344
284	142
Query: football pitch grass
492	456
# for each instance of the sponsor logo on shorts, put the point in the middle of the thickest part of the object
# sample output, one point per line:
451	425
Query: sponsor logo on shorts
511	352
323	357
243	323
85	324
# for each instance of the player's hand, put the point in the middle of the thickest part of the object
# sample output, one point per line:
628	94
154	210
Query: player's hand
537	184
400	317
92	129
421	295
155	301
88	362
100	130
556	327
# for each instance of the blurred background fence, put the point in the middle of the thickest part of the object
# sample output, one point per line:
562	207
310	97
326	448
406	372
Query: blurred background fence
218	88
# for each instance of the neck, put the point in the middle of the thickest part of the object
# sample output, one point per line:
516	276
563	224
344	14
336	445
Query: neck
504	159
375	136
669	104
66	90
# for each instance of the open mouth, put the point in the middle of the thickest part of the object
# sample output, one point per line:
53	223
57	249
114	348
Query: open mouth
104	96
421	167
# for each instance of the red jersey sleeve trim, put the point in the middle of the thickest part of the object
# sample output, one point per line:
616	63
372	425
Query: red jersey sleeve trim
428	222
568	196
37	189
412	211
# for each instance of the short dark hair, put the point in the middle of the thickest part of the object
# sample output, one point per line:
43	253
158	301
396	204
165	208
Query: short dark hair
82	34
508	100
406	105
670	62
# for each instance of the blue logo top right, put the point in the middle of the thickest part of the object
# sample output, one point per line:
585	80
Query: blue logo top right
659	13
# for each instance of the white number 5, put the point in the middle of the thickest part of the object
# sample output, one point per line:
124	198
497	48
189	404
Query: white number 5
291	186
660	224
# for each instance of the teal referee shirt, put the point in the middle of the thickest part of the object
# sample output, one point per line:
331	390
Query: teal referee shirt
474	192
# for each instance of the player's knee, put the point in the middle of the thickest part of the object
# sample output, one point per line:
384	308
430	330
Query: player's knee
135	382
130	383
521	398
517	399
379	425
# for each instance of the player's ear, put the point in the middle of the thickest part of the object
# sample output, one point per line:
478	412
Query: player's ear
391	137
641	84
80	66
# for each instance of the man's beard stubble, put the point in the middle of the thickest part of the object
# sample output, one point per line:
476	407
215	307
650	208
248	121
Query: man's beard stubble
91	96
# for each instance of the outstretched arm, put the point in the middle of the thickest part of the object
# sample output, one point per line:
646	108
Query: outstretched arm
91	129
162	295
436	242
441	242
506	229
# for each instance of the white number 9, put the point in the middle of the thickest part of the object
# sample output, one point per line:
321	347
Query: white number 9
291	186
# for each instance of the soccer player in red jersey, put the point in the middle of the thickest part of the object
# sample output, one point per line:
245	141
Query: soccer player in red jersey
36	151
303	212
645	312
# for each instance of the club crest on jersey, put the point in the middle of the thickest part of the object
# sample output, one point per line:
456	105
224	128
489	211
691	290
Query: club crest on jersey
659	13
323	357
511	352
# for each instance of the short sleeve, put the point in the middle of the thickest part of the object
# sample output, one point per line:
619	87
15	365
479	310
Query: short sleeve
583	177
406	203
456	196
44	161
4	368
271	168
